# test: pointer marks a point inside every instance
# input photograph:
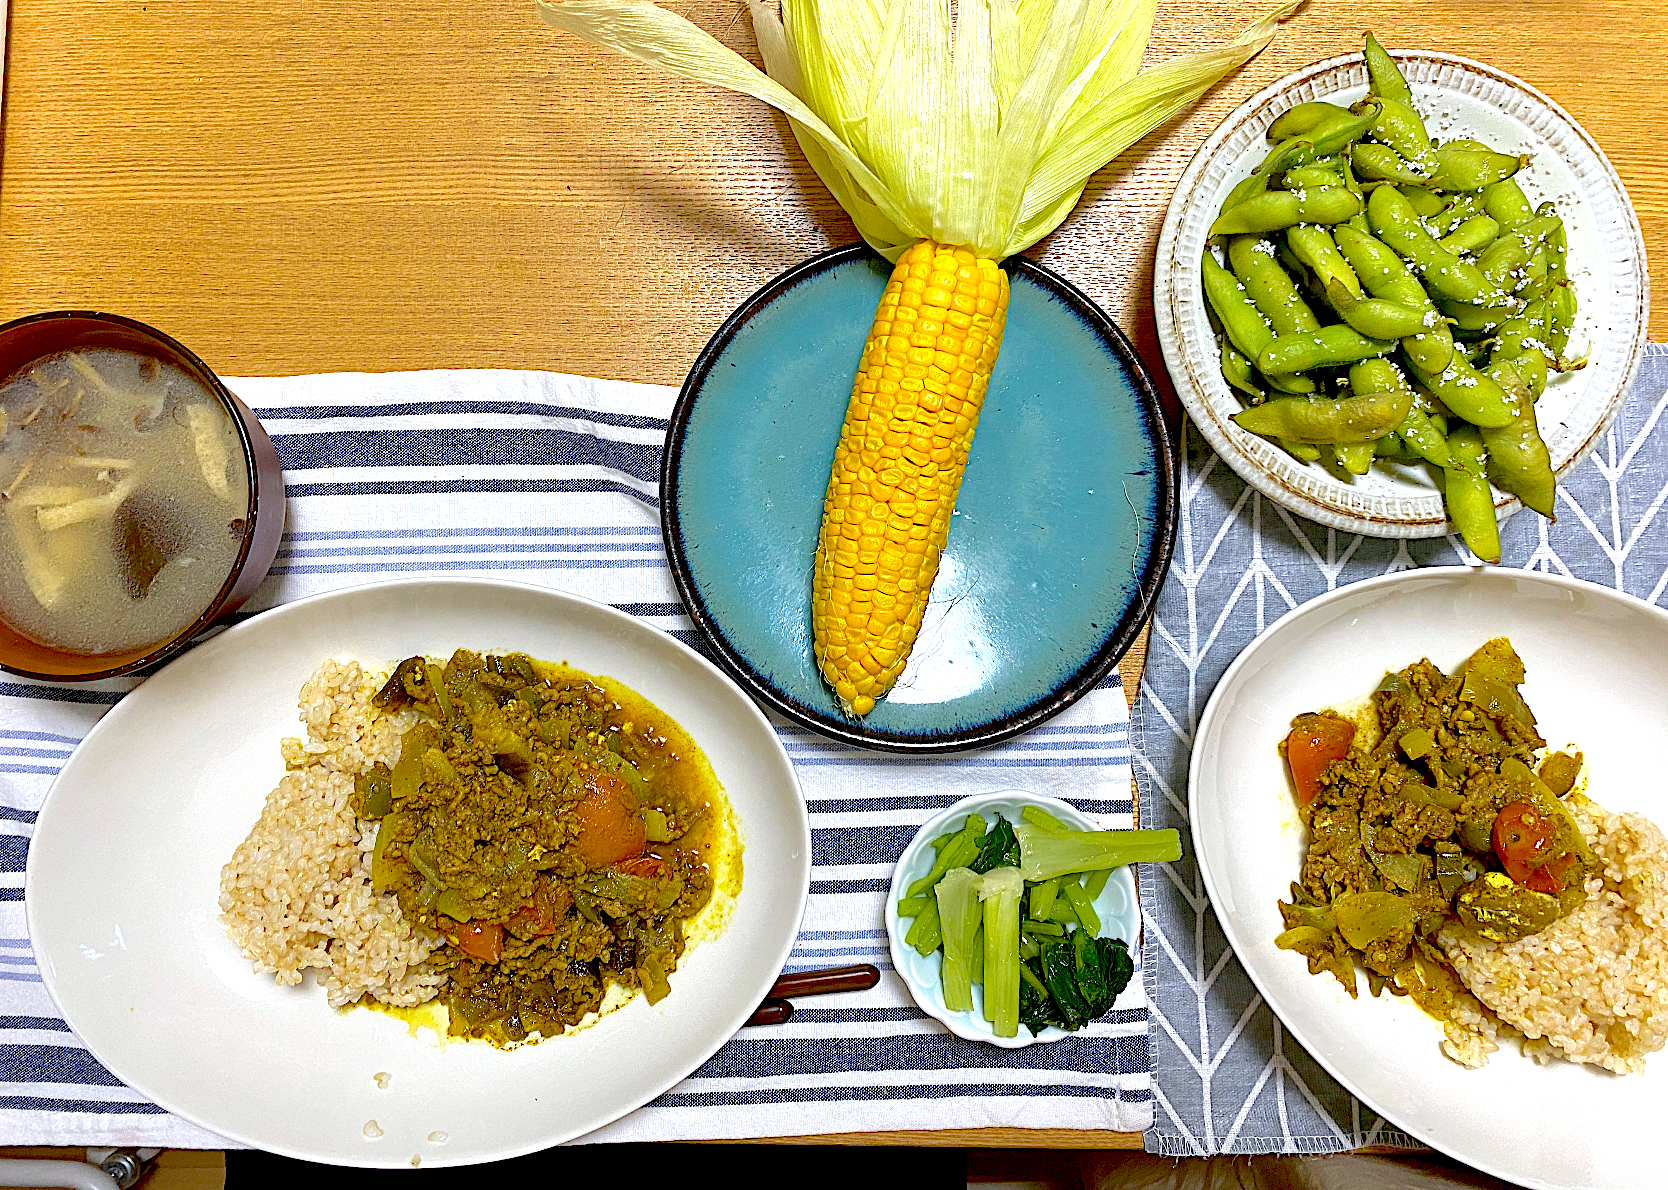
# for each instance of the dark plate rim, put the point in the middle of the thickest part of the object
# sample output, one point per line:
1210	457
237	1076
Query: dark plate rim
993	731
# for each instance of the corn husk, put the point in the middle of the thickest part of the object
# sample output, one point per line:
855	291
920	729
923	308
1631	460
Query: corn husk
977	127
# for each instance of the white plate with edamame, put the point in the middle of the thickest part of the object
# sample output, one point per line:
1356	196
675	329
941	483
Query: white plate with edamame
1459	98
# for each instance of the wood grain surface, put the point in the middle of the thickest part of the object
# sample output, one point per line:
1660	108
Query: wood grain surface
348	185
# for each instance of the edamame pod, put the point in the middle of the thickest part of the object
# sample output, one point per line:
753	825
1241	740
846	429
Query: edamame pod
1385	276
1236	369
1469	169
1518	458
1303	119
1328	347
1249	188
1244	325
1531	366
1384	76
1357	459
1269	286
1456	209
1478	319
1560	319
1377	318
1315	247
1343	420
1427	204
1504	258
1307	176
1473	235
1395	224
1470	503
1391	447
1378	376
1475	397
1333	136
1557	243
1532	274
1402	128
1381	163
1504	202
1424	438
1276	210
1525	332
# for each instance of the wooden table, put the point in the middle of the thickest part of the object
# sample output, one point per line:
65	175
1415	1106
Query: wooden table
294	188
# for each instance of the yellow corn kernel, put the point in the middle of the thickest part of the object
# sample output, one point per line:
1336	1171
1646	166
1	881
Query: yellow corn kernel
898	467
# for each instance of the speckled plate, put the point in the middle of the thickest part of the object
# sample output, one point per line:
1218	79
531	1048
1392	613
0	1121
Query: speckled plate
1117	907
1061	535
1458	97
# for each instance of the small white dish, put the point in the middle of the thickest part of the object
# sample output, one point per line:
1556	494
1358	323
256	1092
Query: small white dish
124	874
1117	906
1597	666
1458	97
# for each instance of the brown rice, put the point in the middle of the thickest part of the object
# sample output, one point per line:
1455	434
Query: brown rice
297	892
1593	986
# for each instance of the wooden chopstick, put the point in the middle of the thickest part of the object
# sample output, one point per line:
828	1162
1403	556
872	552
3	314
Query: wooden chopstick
775	1009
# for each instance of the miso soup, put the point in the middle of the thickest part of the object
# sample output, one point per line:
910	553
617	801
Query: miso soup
124	495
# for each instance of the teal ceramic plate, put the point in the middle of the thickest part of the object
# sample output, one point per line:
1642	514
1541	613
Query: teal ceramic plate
1061	535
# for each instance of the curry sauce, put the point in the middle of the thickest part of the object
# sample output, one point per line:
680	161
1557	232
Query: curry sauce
558	831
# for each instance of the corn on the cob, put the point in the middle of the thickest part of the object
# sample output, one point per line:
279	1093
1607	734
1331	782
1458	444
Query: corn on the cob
886	517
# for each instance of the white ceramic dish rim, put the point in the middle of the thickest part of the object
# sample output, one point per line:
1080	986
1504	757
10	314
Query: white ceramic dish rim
1260	979
1264	466
970	1025
768	972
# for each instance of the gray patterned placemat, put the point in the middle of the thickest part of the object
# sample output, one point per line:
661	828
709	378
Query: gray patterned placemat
1227	1077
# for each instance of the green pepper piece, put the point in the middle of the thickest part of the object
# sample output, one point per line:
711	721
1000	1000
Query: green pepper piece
1417	743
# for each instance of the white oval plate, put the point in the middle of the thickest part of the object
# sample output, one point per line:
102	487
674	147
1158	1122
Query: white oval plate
1117	906
1598	678
124	873
1458	97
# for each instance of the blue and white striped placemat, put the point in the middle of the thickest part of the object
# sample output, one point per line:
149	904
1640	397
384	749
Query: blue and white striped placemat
552	479
1228	1078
